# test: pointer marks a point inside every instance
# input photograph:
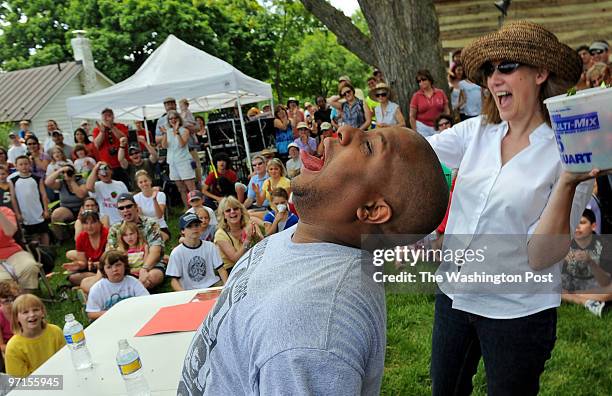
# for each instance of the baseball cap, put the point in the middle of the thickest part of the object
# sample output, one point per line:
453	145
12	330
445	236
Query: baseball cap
12	134
187	219
301	125
598	45
194	194
85	122
344	78
134	149
169	99
106	110
293	145
325	126
56	132
125	197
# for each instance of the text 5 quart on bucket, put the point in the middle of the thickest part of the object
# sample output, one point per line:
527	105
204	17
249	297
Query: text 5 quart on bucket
583	128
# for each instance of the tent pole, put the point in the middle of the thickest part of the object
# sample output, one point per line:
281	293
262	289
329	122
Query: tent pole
144	115
244	134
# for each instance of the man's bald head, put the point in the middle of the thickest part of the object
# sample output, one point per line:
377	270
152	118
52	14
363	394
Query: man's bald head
416	188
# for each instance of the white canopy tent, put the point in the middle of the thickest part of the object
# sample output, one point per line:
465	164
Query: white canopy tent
178	70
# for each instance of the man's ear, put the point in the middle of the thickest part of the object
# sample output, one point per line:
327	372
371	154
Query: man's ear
376	211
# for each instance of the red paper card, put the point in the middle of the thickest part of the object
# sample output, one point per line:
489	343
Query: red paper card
182	317
207	295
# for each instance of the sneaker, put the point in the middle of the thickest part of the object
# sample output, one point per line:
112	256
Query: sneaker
595	307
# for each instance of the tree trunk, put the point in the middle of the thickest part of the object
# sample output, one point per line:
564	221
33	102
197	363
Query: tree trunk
405	37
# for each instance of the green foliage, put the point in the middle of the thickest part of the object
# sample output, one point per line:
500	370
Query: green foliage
307	57
274	40
125	32
318	63
5	129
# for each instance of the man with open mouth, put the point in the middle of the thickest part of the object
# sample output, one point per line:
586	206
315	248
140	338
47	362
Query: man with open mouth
297	316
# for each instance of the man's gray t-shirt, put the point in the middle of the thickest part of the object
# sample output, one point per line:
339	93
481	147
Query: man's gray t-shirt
292	319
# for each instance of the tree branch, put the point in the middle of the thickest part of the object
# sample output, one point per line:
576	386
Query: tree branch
348	35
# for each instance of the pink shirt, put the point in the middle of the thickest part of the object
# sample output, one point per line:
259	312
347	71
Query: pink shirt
8	246
428	109
5	326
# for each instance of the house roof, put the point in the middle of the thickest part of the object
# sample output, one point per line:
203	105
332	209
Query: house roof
23	93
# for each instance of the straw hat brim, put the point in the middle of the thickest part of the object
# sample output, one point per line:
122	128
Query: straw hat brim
524	42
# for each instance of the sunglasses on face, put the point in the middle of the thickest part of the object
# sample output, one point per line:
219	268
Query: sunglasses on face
230	210
345	93
596	52
32	144
504	67
257	163
419	80
381	95
125	207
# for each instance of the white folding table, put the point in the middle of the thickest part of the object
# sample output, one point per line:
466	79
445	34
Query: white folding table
162	355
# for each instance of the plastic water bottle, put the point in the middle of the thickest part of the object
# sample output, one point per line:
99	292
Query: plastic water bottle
75	338
130	368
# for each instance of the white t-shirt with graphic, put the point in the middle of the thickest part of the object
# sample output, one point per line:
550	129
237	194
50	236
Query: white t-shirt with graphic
195	266
106	195
104	293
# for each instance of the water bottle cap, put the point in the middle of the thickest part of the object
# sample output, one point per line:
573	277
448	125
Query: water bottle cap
69	317
123	343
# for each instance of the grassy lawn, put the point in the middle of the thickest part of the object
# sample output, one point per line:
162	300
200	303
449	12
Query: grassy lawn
580	364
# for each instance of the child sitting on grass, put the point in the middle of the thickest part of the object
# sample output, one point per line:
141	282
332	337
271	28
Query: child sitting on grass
115	285
587	268
196	201
193	263
134	244
280	218
34	340
208	229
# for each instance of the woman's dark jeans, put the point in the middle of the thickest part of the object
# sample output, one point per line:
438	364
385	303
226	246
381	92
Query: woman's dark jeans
514	350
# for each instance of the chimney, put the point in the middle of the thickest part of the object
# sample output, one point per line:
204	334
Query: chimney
81	46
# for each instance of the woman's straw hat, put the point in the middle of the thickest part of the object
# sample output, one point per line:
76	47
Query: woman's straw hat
381	87
524	42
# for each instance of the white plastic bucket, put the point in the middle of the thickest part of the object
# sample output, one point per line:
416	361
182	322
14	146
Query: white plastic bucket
583	128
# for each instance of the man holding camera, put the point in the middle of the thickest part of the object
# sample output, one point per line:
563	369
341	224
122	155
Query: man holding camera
72	192
106	191
107	138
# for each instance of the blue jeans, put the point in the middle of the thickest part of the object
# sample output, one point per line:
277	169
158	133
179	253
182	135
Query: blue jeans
514	350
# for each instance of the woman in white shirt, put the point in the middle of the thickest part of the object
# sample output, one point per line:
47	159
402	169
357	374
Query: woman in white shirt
510	187
388	113
182	166
151	202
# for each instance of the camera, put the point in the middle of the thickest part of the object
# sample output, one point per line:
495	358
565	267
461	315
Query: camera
103	170
69	172
113	151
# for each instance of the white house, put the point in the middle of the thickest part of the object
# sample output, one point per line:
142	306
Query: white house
39	94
